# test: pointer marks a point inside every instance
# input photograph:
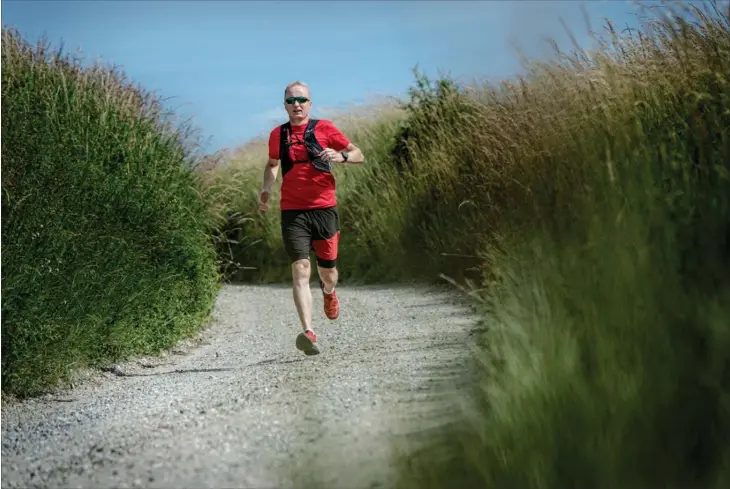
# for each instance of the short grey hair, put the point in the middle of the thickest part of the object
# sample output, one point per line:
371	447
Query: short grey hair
297	83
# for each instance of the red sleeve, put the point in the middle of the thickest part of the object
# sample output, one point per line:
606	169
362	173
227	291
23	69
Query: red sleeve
274	137
335	139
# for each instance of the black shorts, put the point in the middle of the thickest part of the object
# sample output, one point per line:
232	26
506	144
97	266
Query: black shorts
314	229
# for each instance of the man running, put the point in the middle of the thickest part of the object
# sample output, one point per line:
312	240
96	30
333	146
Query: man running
305	149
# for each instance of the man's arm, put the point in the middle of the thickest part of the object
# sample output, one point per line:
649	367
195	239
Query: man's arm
339	143
354	154
270	173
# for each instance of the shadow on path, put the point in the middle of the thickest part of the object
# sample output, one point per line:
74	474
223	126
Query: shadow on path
209	370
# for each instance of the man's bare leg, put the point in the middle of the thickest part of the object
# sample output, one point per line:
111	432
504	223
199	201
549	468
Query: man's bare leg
301	273
306	340
329	276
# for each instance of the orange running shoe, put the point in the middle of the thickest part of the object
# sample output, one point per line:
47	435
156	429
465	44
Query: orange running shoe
307	342
331	303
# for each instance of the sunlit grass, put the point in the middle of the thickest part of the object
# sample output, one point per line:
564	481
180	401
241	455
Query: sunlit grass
586	204
106	241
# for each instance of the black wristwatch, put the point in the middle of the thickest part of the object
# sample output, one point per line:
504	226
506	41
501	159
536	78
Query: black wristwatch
345	155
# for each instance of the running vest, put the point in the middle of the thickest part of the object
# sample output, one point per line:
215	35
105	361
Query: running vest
310	141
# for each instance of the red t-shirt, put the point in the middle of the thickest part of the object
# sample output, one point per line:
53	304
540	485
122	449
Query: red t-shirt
305	187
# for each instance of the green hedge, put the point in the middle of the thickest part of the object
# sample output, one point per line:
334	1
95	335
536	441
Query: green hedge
106	239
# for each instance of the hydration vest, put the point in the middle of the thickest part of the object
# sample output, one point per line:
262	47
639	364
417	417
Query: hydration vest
311	143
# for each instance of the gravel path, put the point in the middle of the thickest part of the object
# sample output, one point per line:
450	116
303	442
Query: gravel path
241	407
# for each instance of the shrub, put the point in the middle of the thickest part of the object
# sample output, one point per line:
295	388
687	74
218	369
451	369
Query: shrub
106	245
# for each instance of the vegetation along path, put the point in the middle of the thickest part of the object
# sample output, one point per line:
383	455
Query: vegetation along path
241	407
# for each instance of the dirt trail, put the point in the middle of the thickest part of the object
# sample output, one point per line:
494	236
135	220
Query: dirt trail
244	408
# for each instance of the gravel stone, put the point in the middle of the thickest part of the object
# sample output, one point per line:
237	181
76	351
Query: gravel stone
240	406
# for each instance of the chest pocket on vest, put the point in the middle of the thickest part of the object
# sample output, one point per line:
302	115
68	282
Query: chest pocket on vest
310	142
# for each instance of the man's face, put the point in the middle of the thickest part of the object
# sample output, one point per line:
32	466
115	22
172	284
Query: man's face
297	110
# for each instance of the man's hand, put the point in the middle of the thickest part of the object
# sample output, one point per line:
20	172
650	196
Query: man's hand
264	200
329	154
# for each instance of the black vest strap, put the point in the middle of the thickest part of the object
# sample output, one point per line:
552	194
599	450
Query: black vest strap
311	143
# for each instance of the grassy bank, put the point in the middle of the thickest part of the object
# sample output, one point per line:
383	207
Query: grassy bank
599	197
588	204
106	244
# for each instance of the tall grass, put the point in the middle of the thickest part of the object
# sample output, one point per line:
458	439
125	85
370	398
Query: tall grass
598	191
106	244
586	207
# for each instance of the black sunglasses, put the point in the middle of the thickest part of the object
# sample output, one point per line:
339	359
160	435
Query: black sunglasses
291	100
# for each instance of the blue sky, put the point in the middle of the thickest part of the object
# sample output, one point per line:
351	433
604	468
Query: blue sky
225	64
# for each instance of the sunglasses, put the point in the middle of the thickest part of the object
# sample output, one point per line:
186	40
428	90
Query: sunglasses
291	100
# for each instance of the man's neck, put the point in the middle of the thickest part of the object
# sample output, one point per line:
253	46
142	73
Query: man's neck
299	123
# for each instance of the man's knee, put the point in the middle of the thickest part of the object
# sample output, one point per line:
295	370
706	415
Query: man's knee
327	273
301	270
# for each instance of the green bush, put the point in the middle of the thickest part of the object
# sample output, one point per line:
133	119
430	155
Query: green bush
106	238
